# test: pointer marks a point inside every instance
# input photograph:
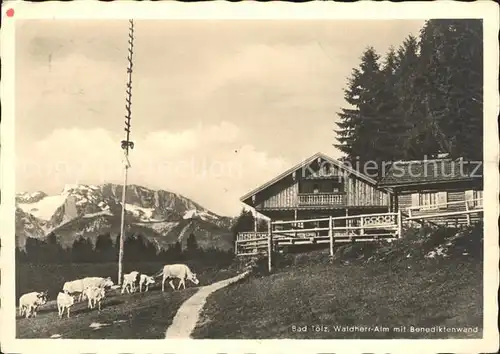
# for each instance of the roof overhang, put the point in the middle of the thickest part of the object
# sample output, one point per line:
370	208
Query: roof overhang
424	183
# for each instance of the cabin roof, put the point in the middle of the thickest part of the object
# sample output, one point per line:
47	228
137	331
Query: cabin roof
403	173
323	156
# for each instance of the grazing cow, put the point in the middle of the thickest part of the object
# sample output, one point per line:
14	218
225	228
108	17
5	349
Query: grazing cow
179	271
29	303
130	280
79	285
64	302
95	295
145	281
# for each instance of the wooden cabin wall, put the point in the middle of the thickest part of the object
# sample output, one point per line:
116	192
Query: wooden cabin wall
282	194
404	201
360	193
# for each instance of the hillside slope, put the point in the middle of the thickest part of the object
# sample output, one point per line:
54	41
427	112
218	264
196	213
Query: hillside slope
430	280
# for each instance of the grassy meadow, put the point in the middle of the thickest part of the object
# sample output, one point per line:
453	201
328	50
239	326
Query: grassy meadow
428	278
129	316
321	296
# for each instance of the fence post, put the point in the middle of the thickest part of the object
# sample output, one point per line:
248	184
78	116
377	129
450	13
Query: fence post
467	210
400	223
362	224
269	246
330	234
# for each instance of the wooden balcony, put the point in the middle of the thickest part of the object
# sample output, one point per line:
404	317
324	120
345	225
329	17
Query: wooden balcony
321	199
251	235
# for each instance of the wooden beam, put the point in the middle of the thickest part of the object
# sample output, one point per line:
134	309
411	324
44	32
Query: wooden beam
400	223
295	218
330	234
468	215
270	247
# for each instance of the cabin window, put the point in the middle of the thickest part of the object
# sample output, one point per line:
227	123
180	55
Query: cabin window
327	169
323	186
430	200
336	187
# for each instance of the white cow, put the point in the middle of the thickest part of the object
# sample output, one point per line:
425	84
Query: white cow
79	285
64	302
145	281
179	271
29	303
130	280
95	295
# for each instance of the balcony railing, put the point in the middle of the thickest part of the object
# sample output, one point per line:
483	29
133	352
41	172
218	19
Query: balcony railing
251	235
321	199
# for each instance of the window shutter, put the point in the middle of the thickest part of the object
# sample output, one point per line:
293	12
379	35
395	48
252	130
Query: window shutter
469	195
442	198
415	199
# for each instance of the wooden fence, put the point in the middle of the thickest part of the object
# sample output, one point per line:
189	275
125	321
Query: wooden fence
368	227
437	214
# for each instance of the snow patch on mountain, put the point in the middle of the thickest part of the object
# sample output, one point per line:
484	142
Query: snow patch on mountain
99	213
161	227
193	213
79	187
145	214
27	197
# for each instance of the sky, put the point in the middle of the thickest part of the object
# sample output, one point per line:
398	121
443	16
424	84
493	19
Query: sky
218	107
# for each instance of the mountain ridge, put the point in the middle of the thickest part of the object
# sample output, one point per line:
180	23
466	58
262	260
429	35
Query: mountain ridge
87	211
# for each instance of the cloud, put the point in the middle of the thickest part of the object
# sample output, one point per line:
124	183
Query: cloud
277	85
206	163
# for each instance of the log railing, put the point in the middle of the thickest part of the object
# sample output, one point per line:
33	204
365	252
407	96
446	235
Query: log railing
367	227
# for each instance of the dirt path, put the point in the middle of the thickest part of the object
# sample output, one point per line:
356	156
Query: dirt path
187	316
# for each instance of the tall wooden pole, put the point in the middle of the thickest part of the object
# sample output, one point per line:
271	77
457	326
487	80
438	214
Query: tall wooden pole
126	144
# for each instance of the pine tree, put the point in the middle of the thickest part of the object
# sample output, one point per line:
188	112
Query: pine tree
388	140
451	64
425	99
192	244
34	250
415	141
360	124
21	256
244	223
82	251
104	249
